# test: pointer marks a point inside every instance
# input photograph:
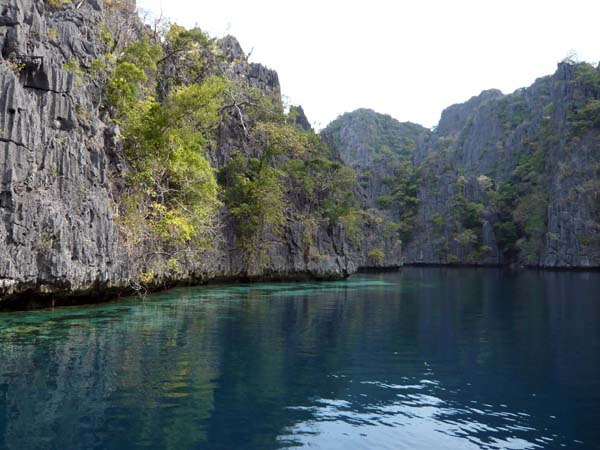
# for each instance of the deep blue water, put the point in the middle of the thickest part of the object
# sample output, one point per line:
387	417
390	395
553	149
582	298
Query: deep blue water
424	359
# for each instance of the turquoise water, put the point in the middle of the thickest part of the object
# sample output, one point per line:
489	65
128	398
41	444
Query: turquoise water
424	359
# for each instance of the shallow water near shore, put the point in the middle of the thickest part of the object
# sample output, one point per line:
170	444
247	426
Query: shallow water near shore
429	358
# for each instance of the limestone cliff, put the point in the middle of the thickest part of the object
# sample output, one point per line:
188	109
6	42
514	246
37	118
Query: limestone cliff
503	179
57	216
63	168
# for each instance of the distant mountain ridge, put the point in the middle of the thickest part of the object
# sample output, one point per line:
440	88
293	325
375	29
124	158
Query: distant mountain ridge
363	136
503	179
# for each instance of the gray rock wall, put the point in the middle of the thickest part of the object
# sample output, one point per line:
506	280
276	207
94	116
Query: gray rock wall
479	146
488	136
61	171
57	215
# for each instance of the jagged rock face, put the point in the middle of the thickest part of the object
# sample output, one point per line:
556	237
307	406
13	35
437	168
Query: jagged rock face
362	136
57	217
488	137
300	118
324	252
256	75
491	141
232	137
573	167
62	170
372	144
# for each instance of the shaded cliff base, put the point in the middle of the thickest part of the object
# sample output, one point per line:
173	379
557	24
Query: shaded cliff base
373	269
507	267
35	298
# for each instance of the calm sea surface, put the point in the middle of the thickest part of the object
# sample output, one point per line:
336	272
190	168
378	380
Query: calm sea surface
424	359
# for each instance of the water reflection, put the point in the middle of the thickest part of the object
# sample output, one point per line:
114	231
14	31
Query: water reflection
429	358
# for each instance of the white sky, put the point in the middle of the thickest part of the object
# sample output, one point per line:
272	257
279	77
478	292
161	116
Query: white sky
409	59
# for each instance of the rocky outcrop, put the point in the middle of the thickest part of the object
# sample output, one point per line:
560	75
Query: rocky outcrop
373	144
57	227
530	142
300	119
503	179
364	138
62	168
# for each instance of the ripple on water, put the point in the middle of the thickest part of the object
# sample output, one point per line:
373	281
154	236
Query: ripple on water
415	420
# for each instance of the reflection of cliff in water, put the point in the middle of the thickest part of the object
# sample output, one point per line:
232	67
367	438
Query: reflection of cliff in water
271	365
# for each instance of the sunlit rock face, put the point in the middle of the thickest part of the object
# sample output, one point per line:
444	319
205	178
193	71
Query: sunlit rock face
57	223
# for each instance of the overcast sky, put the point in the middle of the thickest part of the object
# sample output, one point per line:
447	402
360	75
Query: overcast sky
409	59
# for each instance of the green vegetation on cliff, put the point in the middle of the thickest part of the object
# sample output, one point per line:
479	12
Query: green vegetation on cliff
381	149
293	175
171	200
171	95
363	136
585	113
254	196
503	179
